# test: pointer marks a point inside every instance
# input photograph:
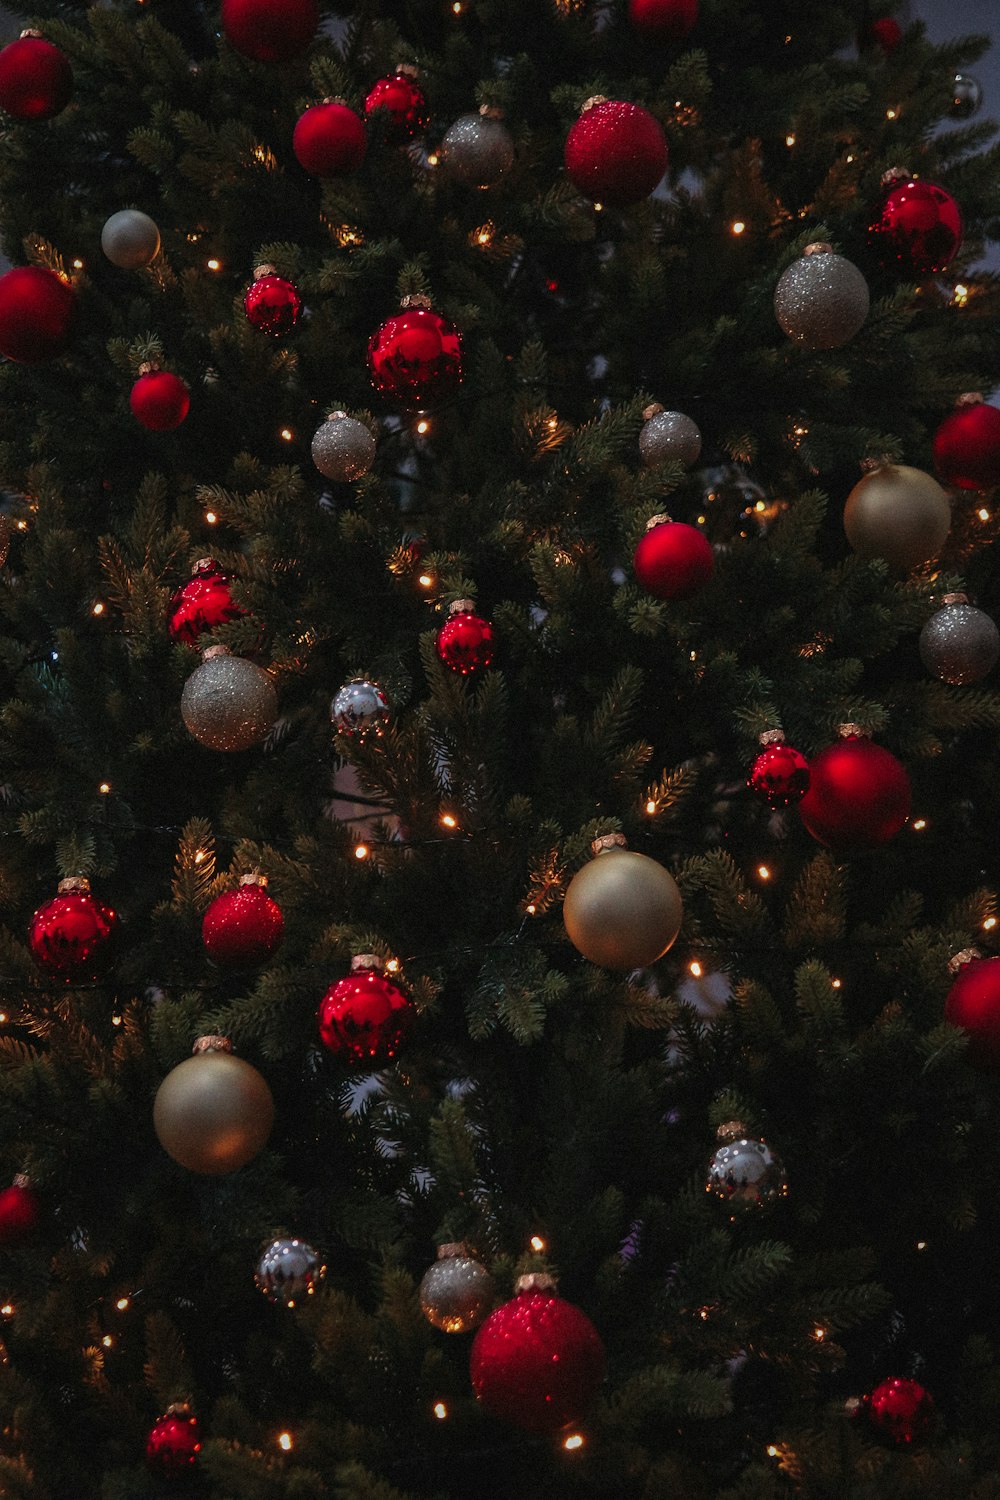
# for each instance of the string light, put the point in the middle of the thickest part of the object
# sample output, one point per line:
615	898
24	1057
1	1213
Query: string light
107	1341
737	226
449	821
960	294
921	1244
285	1442
989	924
98	608
819	1334
440	1410
78	264
983	514
537	1243
211	517
423	426
287	434
116	1020
598	208
836	984
433	159
573	1442
123	1304
425	580
531	908
920	824
763	872
772	1451
789	141
213	264
104	788
361	851
892	114
457	8
3	1017
651	807
7	1311
695	968
200	855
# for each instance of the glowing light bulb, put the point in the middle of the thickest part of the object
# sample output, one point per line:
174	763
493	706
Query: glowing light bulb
213	264
789	141
737	226
211	517
449	821
892	114
573	1442
122	1304
423	426
960	295
695	968
392	966
433	159
763	872
7	1310
98	608
920	823
983	514
537	1243
361	851
836	984
287	434
285	1442
425	580
104	788
989	924
440	1410
107	1341
651	806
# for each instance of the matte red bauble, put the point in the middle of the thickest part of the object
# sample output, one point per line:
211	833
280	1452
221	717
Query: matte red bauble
538	1361
663	20
616	152
920	228
416	357
967	446
329	140
272	303
672	560
901	1412
243	926
780	774
36	81
858	797
465	640
37	312
364	1018
886	33
174	1443
404	105
160	400
204	603
71	937
20	1211
270	30
973	1004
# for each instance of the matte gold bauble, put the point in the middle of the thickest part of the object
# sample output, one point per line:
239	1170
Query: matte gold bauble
213	1112
228	703
622	910
898	513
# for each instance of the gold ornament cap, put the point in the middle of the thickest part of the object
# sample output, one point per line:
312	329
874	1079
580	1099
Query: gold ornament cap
150	367
491	112
21	1180
74	885
731	1130
408	70
853	732
210	652
535	1281
416	299
954	599
453	1250
969	398
211	1044
961	958
179	1409
334	99
362	961
653	410
32	31
592	102
894	175
204	564
607	841
336	416
771	737
878	461
818	247
264	269
461	607
254	877
660	519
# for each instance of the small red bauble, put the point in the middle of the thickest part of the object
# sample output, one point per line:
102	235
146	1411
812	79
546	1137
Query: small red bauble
616	153
465	640
967	446
174	1443
416	357
780	774
920	228
329	140
37	312
859	794
900	1411
160	400
243	926
204	603
886	33
71	937
672	560
538	1361
973	1005
403	101
20	1211
364	1018
36	81
270	30
663	20
272	303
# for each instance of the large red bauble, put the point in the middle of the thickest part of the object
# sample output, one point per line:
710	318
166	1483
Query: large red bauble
900	1411
270	30
364	1018
36	81
858	797
71	937
243	926
329	140
967	447
160	400
537	1362
37	312
973	1005
20	1211
886	33
203	603
416	357
616	153
780	775
673	560
663	20
920	228
465	642
403	101
173	1444
272	304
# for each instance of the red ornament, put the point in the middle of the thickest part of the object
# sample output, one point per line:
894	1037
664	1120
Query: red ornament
174	1443
37	312
416	357
329	140
920	227
272	304
71	936
270	30
900	1411
538	1361
973	1005
364	1018
403	101
886	33
780	774
672	560
663	20
160	400
859	794
465	640
20	1211
204	603
616	153
243	926
967	445
36	81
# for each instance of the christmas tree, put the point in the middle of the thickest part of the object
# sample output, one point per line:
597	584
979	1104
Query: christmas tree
499	753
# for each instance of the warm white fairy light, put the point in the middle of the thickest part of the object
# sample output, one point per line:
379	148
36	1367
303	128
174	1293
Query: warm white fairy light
789	141
213	264
104	788
695	969
574	1441
449	821
287	434
98	608
211	517
989	924
423	426
440	1410
285	1442
983	513
738	226
361	851
763	872
651	806
537	1243
123	1304
920	824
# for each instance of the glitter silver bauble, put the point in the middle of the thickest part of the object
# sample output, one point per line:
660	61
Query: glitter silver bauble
130	239
966	96
343	449
477	150
745	1174
456	1292
359	707
289	1271
960	643
821	300
228	703
668	436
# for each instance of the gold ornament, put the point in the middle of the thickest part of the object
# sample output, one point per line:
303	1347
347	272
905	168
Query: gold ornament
622	910
213	1112
228	703
898	513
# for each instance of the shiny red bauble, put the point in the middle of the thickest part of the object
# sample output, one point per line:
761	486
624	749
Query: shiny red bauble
270	30
616	153
663	20
36	81
404	106
20	1211
364	1018
272	304
900	1411
858	797
779	775
329	140
886	33
72	936
973	1005
160	400
37	313
967	447
416	357
537	1362
173	1444
465	642
673	560
243	926
920	228
203	603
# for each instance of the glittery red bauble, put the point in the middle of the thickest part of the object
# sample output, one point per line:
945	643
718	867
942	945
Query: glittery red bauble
364	1018
973	1004
900	1411
37	312
173	1445
160	400
71	937
270	30
616	153
663	20
416	357
537	1362
967	447
858	797
243	926
20	1211
780	775
886	33
465	642
329	140
272	304
919	227
404	104
204	603
36	81
673	560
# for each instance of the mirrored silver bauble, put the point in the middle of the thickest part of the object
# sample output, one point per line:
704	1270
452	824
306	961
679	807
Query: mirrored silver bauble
966	96
456	1292
959	643
359	707
343	449
289	1271
821	300
746	1175
477	150
228	703
669	436
130	239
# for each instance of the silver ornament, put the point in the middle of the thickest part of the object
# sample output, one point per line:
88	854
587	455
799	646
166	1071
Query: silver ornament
821	300
289	1271
456	1292
358	708
966	96
228	703
668	436
343	449
477	150
960	643
745	1174
130	239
